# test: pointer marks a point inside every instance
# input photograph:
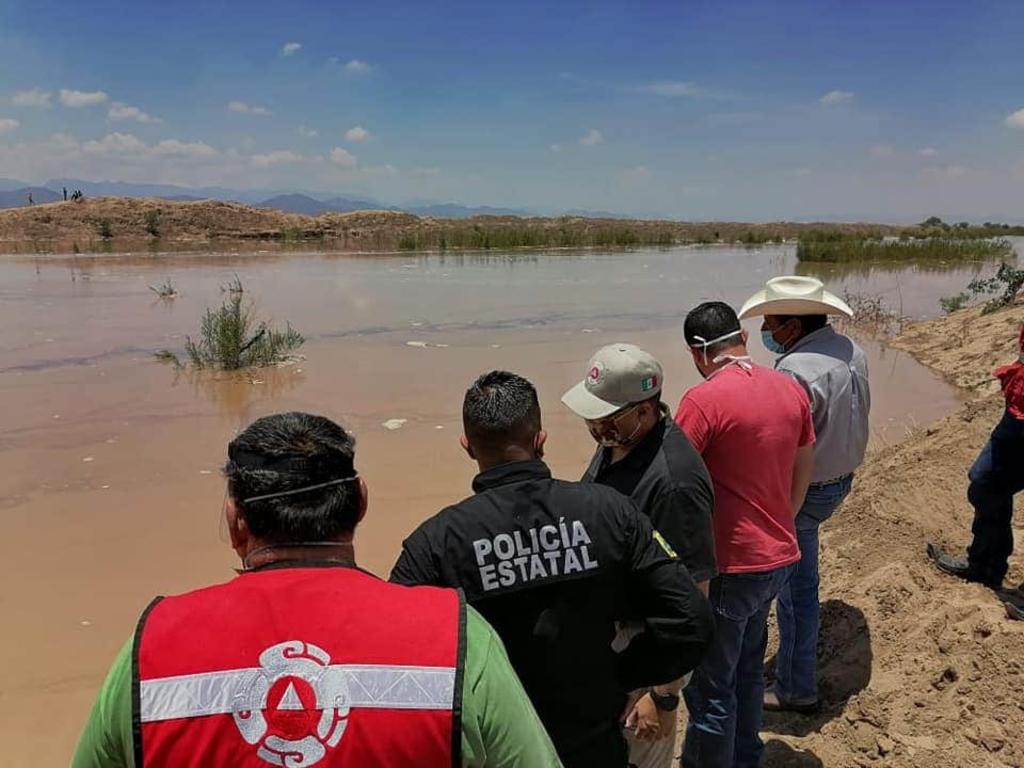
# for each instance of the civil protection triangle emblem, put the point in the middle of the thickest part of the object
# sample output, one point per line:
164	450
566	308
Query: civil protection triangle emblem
295	709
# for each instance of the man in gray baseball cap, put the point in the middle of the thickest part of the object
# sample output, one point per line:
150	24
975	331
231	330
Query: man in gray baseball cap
644	455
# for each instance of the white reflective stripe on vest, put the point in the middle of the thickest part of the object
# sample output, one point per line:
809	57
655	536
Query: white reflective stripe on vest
340	685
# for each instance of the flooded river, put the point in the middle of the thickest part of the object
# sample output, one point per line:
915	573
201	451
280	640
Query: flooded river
109	461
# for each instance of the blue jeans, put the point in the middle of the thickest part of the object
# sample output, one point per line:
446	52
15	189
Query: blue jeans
997	474
725	696
799	612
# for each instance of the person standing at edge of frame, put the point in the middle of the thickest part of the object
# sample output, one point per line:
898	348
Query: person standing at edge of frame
833	370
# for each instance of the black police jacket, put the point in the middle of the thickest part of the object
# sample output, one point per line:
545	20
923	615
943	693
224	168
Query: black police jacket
553	565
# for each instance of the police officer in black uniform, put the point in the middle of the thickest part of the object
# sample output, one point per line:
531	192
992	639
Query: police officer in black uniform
553	565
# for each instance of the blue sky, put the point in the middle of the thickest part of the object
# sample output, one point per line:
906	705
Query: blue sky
732	110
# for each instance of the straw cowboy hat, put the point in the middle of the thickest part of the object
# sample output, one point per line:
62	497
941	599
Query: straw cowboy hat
794	295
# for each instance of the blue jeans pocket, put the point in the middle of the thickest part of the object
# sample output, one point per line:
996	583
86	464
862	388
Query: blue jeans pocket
822	501
738	596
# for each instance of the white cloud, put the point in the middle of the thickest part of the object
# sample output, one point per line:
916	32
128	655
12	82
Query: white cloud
8	124
77	99
116	144
802	172
343	158
592	138
126	145
1016	120
636	175
949	171
276	157
290	49
36	97
357	133
119	111
183	149
836	97
308	133
673	89
241	108
424	173
379	171
555	147
928	152
357	67
882	150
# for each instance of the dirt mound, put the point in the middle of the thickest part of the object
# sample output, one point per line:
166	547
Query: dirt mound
917	668
124	224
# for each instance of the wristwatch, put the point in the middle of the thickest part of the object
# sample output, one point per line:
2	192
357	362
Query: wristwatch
666	702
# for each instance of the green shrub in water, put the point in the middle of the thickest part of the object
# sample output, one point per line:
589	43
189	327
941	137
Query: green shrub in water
931	248
230	338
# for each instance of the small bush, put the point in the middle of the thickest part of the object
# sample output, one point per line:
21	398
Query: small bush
152	219
951	304
104	230
166	290
1008	280
230	338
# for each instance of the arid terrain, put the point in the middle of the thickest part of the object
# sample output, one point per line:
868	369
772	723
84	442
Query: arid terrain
918	669
127	222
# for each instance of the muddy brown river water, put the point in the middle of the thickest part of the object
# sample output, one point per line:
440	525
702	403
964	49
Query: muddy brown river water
109	461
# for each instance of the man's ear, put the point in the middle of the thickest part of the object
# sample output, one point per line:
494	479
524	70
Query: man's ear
464	442
238	531
538	443
364	499
744	335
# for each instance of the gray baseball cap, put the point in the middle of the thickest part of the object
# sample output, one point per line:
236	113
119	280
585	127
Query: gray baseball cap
617	375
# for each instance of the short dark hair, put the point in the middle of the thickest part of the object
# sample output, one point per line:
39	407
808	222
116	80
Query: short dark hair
808	323
499	408
711	320
289	451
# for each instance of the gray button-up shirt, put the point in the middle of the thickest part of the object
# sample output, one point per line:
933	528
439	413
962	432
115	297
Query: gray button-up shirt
834	372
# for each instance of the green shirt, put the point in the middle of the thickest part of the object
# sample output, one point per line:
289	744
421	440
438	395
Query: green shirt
499	724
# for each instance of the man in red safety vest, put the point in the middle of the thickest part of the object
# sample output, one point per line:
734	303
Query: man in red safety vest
303	659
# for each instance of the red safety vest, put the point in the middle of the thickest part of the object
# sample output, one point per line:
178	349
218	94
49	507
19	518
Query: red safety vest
300	666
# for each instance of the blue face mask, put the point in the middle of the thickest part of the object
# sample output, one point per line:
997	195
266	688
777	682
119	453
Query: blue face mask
770	343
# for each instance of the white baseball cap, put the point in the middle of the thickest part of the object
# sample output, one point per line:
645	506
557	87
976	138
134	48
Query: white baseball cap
617	375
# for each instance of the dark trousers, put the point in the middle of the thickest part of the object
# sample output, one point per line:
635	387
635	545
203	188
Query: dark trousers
997	474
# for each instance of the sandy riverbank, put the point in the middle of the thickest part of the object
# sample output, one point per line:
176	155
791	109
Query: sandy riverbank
125	224
918	669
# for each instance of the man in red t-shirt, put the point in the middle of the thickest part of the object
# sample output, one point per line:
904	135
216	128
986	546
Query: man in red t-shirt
753	428
997	475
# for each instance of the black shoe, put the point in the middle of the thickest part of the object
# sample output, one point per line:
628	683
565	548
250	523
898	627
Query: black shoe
959	567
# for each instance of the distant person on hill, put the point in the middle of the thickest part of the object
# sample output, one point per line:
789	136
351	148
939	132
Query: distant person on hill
30	201
553	566
303	658
644	455
753	428
833	371
65	194
997	475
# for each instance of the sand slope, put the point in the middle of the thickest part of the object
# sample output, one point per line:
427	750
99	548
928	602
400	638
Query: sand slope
918	669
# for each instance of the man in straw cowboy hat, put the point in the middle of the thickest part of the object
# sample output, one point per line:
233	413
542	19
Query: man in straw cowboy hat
834	372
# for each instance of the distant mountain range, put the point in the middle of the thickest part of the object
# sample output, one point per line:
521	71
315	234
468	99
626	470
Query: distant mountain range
17	197
14	193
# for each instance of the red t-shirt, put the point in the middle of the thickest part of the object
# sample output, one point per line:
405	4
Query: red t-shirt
1011	379
747	424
